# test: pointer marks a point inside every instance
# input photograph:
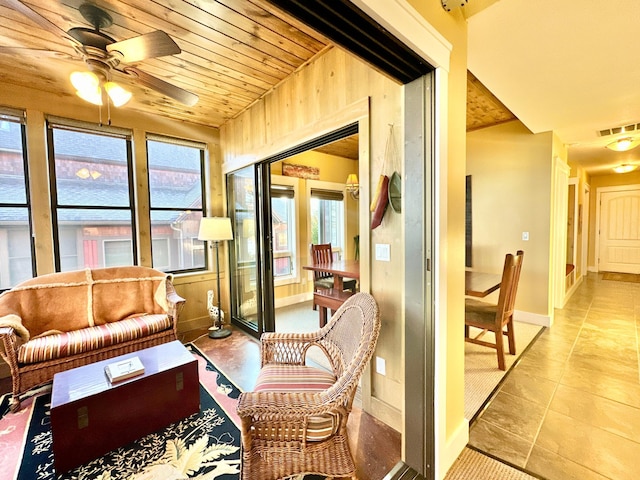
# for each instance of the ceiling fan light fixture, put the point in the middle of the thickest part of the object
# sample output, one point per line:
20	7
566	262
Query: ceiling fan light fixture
118	95
84	81
624	144
91	95
624	168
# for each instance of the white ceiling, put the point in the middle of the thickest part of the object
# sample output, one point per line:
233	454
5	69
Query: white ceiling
569	66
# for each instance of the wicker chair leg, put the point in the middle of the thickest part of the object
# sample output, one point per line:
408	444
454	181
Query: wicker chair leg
14	404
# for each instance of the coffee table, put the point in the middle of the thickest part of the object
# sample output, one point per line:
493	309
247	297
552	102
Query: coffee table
90	416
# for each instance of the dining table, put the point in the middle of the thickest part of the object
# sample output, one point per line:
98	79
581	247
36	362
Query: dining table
339	269
481	284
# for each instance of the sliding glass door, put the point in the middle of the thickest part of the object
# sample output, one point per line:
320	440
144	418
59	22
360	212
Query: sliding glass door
250	259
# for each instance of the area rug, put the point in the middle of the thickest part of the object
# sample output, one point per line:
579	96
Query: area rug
481	373
621	277
204	446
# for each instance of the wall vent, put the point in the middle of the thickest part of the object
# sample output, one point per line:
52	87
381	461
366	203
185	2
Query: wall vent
623	129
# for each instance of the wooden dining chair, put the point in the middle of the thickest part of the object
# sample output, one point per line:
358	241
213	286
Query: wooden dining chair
494	318
323	253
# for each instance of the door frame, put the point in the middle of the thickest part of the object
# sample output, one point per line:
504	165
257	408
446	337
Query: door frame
599	191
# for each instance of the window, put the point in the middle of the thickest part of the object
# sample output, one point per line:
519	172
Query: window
176	185
327	219
92	192
283	225
16	243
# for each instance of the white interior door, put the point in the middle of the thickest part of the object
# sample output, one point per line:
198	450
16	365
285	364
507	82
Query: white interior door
620	231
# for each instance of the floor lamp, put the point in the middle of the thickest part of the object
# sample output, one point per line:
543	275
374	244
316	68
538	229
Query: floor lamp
216	230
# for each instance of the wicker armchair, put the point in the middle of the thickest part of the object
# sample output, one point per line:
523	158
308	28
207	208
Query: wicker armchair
280	418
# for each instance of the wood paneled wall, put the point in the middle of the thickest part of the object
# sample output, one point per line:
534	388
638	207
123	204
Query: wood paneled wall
333	90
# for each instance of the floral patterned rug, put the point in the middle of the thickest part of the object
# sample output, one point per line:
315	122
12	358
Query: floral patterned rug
204	446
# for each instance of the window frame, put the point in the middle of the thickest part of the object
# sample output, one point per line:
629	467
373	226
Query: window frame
53	123
292	183
19	117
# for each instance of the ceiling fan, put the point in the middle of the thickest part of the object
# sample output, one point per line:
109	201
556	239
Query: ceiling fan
103	55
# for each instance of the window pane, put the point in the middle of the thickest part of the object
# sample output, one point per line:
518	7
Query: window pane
175	240
12	188
90	169
174	175
283	226
117	253
16	261
327	222
87	236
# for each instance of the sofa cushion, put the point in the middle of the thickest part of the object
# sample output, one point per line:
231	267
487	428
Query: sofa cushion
66	344
301	378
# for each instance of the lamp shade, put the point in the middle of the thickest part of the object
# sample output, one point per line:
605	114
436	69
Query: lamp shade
352	181
215	229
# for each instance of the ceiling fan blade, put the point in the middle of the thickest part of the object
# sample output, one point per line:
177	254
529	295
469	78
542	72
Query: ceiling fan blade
148	45
160	86
39	19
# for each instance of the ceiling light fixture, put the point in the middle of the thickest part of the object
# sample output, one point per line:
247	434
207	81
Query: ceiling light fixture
89	86
625	168
624	144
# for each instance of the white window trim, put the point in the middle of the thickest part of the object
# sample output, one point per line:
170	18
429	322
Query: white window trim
293	182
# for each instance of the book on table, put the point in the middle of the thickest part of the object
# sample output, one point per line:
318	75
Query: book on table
124	369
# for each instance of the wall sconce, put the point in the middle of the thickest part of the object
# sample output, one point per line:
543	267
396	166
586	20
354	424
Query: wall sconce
352	186
624	144
624	168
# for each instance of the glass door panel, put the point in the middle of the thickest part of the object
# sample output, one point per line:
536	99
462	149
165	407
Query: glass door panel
244	256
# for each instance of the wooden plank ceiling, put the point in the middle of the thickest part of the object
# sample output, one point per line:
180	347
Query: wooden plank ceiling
233	51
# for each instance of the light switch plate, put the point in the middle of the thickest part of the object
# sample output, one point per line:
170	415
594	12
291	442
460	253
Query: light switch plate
381	366
525	236
383	252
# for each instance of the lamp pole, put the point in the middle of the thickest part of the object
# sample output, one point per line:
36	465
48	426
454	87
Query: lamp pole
219	332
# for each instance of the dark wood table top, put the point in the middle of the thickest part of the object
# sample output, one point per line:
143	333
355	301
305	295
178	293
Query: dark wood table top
480	284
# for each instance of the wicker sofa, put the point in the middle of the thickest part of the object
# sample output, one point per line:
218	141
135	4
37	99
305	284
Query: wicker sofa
64	320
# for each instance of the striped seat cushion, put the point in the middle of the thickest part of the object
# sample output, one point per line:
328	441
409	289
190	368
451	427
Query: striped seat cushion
66	344
295	378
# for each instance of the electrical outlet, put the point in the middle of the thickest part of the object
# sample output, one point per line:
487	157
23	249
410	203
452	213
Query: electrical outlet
381	366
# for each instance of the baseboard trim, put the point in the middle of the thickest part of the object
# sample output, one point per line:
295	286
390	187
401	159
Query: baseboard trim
386	413
533	318
293	299
573	288
197	323
453	448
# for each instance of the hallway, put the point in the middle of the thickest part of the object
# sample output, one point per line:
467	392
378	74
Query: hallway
570	409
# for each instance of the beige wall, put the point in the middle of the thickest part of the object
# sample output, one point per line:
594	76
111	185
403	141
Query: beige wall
38	104
511	184
325	92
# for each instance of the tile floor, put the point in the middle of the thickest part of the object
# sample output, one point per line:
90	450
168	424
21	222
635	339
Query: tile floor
570	409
